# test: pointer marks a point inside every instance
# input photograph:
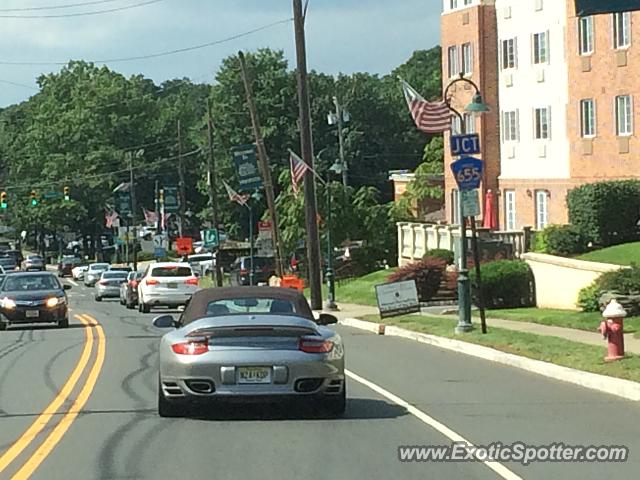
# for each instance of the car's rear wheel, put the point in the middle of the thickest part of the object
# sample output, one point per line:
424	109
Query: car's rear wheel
167	408
3	325
64	323
336	405
98	299
143	308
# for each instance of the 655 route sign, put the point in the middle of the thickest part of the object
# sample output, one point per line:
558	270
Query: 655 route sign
468	172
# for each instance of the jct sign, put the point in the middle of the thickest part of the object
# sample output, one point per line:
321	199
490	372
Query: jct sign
465	144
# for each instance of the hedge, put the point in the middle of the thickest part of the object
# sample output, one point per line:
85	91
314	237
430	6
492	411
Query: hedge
506	284
561	240
606	212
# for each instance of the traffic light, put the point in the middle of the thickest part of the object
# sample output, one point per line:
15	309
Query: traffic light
34	198
3	200
67	194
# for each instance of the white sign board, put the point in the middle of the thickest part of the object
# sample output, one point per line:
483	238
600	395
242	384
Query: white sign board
397	298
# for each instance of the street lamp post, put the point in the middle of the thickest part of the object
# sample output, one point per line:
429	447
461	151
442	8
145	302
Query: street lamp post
331	281
476	107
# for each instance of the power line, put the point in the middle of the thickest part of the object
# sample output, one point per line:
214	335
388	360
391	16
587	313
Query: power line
16	84
85	14
57	7
75	180
159	54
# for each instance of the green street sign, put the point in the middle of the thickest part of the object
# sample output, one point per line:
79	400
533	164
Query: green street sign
210	237
171	199
245	159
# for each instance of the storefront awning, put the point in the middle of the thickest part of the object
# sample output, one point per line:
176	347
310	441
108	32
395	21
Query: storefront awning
593	7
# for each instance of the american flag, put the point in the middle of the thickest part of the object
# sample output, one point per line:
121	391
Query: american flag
110	216
235	196
150	217
429	117
298	170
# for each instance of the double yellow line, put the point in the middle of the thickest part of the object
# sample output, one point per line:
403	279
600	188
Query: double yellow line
30	436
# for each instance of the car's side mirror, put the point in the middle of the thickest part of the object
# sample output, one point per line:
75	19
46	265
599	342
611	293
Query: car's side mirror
66	287
326	319
164	321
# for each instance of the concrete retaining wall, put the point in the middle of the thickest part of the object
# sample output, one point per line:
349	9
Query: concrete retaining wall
559	280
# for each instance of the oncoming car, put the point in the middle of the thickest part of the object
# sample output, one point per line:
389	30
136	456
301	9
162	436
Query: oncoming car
249	344
36	297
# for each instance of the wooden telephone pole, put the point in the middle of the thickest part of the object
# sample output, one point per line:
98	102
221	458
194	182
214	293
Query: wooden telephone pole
310	200
211	181
263	160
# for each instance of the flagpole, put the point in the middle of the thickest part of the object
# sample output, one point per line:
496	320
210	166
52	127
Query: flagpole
251	272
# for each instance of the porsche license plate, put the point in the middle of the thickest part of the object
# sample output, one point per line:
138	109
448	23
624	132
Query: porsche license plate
254	375
33	313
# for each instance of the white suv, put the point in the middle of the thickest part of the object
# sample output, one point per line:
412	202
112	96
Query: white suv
166	284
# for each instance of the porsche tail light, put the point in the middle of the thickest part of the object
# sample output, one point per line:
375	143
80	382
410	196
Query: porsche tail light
191	281
152	281
315	345
193	347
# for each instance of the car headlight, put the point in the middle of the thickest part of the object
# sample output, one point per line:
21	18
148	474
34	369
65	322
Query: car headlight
8	304
54	302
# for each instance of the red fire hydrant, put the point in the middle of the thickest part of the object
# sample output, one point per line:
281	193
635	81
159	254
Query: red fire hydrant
612	328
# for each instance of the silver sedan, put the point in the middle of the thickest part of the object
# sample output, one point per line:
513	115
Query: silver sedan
249	344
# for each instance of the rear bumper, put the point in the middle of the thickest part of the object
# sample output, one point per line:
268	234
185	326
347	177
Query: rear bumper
108	292
165	299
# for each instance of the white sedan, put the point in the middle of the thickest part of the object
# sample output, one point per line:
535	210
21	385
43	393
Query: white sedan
78	272
166	284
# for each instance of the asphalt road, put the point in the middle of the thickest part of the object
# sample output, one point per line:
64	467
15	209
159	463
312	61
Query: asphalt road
81	404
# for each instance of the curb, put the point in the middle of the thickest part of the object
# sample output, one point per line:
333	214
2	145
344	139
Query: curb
614	386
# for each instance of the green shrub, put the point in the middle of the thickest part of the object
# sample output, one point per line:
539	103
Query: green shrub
562	240
606	212
444	254
625	281
428	274
588	298
506	284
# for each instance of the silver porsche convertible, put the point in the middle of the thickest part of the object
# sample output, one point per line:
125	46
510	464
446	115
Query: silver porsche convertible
249	344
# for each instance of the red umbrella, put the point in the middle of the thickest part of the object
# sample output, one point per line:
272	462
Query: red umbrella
489	219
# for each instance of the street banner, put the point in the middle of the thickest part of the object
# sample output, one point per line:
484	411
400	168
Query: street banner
123	203
245	160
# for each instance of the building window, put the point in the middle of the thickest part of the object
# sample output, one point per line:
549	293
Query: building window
588	118
453	4
542	122
467	58
454	69
585	32
455	207
468	2
469	123
621	29
510	209
510	126
542	209
624	115
540	42
509	53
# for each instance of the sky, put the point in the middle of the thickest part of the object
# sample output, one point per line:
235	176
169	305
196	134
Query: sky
343	36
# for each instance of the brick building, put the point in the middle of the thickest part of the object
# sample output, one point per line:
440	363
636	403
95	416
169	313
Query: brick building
565	108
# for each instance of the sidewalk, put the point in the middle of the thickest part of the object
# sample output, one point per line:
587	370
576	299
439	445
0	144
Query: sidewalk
632	344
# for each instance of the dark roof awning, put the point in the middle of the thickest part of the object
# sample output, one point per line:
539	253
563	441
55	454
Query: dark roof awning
594	7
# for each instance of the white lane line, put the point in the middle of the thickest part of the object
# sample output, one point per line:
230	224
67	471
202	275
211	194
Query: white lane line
497	467
73	283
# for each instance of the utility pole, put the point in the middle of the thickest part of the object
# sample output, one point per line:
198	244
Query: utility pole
132	188
181	189
264	164
310	201
157	201
343	161
211	181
